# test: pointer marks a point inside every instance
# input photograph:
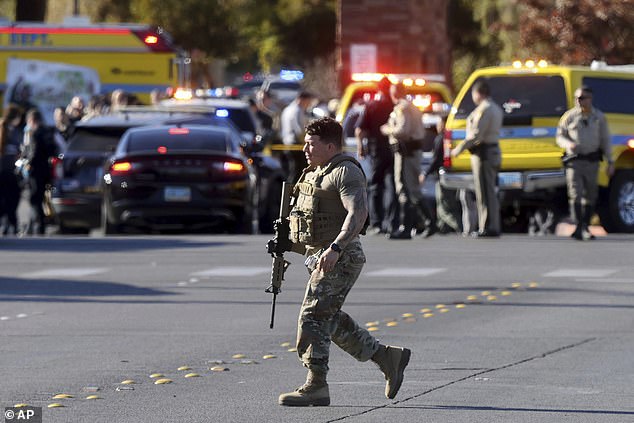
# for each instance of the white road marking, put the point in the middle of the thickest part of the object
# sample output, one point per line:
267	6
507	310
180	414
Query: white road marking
232	271
580	273
399	272
605	280
65	273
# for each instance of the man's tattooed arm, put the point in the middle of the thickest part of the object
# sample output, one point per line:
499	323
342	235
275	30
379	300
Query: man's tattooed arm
356	204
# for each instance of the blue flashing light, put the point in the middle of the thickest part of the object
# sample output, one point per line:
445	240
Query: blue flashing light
291	75
223	113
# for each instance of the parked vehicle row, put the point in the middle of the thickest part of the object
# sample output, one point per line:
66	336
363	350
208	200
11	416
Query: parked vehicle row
84	196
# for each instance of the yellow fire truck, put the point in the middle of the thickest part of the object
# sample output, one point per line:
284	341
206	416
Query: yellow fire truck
134	57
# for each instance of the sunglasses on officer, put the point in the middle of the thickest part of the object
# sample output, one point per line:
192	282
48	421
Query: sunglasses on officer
583	97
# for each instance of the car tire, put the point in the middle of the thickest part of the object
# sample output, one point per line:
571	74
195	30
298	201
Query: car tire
107	227
620	210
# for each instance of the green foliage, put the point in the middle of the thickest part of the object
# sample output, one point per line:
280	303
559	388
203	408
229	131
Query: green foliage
194	24
578	31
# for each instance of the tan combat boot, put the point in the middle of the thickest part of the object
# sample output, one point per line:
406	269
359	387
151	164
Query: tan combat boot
392	362
314	392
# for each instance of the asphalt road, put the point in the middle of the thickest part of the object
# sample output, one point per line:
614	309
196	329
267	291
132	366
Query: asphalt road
518	329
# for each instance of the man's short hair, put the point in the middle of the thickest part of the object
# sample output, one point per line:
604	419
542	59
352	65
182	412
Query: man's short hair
305	95
586	89
327	129
384	85
35	115
482	87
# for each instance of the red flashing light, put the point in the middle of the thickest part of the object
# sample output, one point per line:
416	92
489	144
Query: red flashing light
162	150
232	92
151	39
446	156
247	77
177	131
57	168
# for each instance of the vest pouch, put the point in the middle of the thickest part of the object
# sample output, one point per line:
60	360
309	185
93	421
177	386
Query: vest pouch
300	227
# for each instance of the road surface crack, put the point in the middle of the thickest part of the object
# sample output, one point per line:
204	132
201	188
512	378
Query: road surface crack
462	379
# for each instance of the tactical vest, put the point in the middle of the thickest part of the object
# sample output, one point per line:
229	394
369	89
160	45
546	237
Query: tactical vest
317	215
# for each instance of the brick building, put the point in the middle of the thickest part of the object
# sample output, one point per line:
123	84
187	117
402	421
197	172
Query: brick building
392	36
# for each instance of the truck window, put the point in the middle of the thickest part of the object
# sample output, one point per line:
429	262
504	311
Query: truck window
522	96
612	95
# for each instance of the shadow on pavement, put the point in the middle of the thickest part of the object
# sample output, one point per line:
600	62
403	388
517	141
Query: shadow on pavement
92	245
12	289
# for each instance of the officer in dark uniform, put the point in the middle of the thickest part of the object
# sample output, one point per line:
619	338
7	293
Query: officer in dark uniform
38	149
381	190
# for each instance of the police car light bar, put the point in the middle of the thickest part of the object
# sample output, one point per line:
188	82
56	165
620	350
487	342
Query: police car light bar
395	78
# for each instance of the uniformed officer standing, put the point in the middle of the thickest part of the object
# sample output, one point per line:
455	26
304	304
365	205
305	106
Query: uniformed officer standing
406	131
447	204
329	212
483	131
583	133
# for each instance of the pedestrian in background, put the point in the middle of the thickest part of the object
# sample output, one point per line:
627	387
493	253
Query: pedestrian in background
10	141
39	147
406	132
372	143
447	203
75	110
333	188
584	135
293	120
483	131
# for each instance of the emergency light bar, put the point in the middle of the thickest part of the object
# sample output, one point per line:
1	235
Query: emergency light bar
395	78
530	64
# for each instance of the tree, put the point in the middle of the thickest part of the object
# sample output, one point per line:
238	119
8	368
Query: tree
483	33
578	31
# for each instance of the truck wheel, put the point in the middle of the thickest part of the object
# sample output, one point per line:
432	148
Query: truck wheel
621	202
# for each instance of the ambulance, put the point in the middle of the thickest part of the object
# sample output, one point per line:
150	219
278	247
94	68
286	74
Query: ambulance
533	95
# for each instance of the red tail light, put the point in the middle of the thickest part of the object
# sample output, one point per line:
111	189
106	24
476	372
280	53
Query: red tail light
121	168
57	168
178	131
446	145
234	167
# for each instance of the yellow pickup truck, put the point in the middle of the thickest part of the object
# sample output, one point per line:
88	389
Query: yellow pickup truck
534	95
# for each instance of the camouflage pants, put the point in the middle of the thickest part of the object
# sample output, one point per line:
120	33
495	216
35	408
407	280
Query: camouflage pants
321	319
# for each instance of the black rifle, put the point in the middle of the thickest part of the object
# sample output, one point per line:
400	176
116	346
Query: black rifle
278	246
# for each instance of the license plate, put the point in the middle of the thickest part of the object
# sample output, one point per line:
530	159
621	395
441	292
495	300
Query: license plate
178	194
510	180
